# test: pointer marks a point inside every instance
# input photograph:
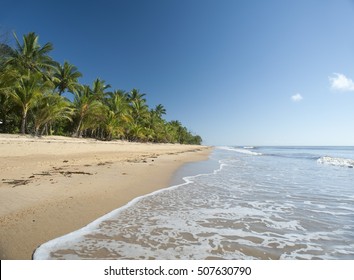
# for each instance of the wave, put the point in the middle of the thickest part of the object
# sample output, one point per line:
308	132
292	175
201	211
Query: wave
43	251
296	155
342	162
240	150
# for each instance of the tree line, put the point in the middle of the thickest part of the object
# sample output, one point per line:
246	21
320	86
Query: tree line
31	101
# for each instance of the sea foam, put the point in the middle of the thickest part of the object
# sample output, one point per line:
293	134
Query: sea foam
248	207
342	162
240	150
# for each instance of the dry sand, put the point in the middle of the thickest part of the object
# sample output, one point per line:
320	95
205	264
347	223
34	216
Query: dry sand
54	185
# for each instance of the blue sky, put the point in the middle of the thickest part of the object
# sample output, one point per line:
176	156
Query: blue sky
238	72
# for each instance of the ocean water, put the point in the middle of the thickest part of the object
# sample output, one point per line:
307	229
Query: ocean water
243	203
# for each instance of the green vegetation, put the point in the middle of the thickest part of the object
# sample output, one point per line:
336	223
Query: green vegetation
31	101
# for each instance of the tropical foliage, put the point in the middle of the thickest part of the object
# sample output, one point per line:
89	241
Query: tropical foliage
32	100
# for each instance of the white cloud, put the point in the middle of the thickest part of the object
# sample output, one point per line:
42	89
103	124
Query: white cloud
296	97
341	82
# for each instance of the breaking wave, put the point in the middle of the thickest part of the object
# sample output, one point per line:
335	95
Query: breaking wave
240	150
281	205
342	162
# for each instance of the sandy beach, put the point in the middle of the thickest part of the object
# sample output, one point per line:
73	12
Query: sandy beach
53	185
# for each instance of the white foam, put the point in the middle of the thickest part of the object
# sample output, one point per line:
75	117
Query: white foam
44	250
219	214
342	162
240	150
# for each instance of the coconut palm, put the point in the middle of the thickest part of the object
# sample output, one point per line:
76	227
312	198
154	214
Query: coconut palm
29	89
9	115
156	124
112	125
31	85
119	113
160	110
29	55
5	53
8	78
98	89
140	114
86	107
168	134
178	132
140	111
66	77
49	108
8	75
135	95
136	132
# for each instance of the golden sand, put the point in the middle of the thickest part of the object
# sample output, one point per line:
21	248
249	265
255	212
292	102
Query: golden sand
51	186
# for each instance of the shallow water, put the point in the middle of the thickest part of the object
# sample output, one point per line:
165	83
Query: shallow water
259	203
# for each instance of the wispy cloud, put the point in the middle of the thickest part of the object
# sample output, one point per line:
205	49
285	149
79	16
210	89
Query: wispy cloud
296	97
341	82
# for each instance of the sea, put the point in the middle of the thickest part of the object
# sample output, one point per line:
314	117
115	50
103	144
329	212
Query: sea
242	203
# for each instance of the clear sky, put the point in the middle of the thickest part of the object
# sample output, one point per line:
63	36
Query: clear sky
240	72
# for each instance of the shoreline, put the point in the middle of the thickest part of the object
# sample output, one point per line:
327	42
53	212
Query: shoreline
54	185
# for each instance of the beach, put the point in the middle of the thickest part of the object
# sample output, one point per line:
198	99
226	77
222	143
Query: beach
242	203
53	185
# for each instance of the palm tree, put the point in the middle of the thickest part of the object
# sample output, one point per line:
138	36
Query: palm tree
140	111
31	85
177	131
118	103
112	126
5	52
29	89
98	89
66	78
30	55
168	133
8	75
9	115
49	108
135	95
86	107
8	78
136	132
160	110
119	115
156	124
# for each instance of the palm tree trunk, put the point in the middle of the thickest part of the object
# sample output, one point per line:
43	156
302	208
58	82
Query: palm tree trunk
77	130
43	130
23	122
50	128
36	131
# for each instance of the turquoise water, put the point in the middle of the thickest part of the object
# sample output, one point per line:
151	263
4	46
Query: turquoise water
243	203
